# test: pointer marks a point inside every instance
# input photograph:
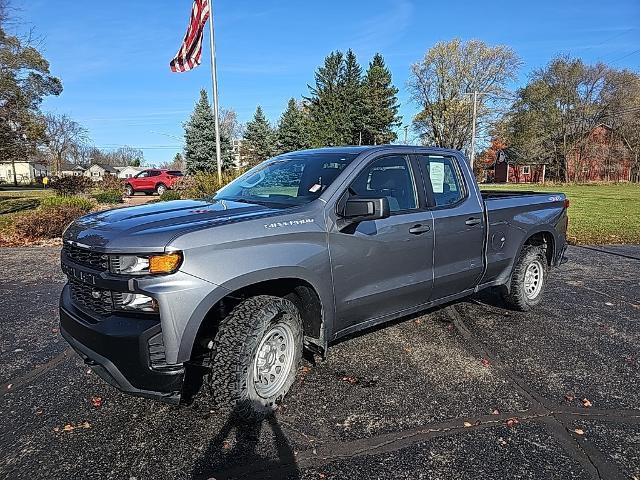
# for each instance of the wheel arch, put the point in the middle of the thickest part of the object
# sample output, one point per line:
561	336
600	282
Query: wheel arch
316	313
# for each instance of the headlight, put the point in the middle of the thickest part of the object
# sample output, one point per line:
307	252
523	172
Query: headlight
145	264
135	302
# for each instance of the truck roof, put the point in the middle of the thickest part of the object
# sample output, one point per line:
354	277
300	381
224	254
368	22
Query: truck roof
365	148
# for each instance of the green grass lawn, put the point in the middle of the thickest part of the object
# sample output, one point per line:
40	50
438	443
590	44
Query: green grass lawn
598	213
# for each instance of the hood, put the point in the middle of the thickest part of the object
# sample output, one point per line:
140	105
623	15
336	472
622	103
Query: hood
148	228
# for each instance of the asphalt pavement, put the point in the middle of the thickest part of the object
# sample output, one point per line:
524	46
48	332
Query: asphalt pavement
465	392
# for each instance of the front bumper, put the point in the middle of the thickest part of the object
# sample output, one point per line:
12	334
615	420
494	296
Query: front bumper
125	351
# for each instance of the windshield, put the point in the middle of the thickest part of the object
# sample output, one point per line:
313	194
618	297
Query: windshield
287	180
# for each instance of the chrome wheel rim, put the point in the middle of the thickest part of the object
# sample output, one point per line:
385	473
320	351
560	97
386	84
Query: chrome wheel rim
533	279
161	190
273	360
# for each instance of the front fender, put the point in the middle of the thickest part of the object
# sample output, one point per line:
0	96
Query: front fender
234	284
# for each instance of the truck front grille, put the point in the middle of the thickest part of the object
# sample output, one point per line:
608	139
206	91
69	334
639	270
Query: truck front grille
84	256
91	299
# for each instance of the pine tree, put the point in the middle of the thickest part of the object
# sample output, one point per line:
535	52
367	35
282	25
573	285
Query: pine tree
258	140
292	133
352	100
380	104
336	102
324	103
200	144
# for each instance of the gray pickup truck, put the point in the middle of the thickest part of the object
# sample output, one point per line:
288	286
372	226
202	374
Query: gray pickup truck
301	250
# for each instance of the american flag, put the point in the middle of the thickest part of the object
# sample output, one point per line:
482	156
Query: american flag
188	56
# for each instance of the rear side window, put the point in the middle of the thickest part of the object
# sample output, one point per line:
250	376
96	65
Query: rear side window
444	177
154	173
389	177
175	173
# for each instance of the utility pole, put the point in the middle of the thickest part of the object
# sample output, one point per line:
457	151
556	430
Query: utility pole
214	81
406	128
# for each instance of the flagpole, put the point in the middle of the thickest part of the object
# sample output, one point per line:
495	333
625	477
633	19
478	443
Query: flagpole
214	81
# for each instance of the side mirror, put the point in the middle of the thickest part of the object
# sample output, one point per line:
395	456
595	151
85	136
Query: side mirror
360	209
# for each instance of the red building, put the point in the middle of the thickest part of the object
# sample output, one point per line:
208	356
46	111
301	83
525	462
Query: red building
506	170
600	155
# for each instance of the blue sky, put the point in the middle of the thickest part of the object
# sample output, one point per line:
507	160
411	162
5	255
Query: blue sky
113	56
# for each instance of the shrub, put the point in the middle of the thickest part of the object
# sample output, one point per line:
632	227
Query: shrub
71	202
51	218
201	184
71	185
169	195
108	196
109	190
110	182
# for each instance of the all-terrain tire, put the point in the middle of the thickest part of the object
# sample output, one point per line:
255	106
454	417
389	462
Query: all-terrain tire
232	381
528	279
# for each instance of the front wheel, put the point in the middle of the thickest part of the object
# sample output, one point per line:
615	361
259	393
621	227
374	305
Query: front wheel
528	279
255	356
128	190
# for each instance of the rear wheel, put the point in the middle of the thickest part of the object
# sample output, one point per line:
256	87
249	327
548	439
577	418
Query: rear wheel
255	356
528	279
161	188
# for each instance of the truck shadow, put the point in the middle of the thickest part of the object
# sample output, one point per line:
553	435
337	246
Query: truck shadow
242	449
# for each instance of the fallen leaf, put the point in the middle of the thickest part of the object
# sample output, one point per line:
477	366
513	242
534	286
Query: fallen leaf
350	379
495	412
586	403
305	370
407	349
96	402
226	445
485	362
608	304
68	428
417	321
9	386
501	441
569	396
468	424
512	422
579	431
54	330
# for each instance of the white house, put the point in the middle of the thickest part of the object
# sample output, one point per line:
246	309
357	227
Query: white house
128	171
71	170
97	172
25	172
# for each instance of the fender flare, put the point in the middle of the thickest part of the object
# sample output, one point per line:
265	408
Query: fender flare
192	326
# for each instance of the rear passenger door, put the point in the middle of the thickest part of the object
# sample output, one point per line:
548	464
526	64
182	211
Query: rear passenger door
381	267
458	225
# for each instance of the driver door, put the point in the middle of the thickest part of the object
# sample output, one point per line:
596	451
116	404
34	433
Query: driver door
383	267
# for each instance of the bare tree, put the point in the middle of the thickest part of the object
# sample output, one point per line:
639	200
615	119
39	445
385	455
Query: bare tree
441	83
624	114
62	136
229	124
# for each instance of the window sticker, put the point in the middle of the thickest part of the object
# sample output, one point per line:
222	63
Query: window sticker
436	174
315	188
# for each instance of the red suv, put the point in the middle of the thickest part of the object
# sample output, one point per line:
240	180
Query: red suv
152	180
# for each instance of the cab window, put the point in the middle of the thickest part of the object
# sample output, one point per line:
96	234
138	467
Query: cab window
389	177
446	184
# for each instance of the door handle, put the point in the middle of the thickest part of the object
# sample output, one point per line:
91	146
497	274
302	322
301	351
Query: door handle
473	221
418	229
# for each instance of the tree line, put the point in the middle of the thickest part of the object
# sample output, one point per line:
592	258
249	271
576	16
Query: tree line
345	106
548	120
